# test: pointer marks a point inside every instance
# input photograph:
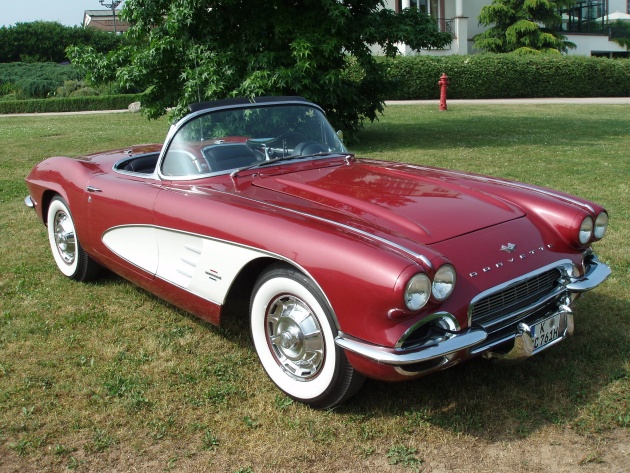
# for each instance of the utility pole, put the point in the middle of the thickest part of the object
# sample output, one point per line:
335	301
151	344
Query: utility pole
113	7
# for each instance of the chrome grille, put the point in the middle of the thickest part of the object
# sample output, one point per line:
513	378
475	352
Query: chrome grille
497	306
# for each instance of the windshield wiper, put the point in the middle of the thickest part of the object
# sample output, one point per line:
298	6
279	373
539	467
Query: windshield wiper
234	173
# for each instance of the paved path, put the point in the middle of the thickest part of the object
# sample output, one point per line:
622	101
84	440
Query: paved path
590	100
48	114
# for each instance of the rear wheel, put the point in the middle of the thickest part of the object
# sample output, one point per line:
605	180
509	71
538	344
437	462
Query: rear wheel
294	335
66	249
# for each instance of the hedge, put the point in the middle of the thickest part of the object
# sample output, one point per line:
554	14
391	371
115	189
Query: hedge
69	104
488	76
480	76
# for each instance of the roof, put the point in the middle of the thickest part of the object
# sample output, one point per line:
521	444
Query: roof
103	20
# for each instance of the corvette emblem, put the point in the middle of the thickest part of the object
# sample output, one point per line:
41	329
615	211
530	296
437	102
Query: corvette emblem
509	248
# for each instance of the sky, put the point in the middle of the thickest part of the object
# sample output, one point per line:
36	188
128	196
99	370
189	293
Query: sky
66	12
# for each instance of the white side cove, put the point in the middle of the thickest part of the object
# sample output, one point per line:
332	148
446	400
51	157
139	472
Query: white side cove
198	264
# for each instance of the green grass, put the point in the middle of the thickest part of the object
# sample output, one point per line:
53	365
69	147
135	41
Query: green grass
104	376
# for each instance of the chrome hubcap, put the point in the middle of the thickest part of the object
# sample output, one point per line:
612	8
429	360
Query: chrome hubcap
63	231
295	337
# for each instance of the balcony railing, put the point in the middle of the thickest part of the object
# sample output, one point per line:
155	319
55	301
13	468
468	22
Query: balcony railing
446	26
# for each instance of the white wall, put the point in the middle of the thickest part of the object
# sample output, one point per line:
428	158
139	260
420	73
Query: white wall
467	26
592	43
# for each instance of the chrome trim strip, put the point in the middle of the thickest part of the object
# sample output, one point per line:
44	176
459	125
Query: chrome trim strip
596	274
385	241
29	202
393	356
263	252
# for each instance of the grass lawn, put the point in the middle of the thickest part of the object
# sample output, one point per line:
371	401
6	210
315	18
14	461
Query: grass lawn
104	376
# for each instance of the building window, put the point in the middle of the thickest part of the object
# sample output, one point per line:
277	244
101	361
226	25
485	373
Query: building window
585	16
430	7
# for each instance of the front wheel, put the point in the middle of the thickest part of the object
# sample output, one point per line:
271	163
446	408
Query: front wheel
71	258
294	335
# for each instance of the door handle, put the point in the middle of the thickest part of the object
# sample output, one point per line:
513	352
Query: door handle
93	189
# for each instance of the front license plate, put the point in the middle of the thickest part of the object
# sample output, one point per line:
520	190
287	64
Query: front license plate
545	332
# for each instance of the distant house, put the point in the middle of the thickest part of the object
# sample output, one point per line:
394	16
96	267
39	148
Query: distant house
104	20
585	24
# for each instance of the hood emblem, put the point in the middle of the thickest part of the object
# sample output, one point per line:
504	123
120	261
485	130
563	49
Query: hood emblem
509	248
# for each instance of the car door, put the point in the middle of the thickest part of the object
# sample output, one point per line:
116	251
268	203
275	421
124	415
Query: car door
120	216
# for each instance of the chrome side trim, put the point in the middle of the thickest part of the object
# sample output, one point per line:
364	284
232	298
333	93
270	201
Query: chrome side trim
393	356
596	273
239	245
368	235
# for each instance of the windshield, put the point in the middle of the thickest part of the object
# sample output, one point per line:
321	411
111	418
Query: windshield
227	140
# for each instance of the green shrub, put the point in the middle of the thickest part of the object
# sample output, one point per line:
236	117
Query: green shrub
84	92
36	80
486	76
69	104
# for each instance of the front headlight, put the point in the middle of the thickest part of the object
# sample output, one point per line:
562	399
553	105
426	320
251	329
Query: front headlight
586	231
601	224
417	291
443	282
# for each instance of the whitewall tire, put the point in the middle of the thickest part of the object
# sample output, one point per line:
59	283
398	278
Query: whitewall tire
294	336
66	249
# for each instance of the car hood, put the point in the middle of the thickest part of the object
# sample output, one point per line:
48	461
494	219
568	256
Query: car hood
421	204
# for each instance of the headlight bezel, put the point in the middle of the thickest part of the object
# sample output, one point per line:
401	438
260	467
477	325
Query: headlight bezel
415	296
600	225
444	276
585	232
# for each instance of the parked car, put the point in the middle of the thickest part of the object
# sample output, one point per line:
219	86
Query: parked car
354	267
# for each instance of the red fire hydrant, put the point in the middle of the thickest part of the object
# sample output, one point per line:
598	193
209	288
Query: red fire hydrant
443	83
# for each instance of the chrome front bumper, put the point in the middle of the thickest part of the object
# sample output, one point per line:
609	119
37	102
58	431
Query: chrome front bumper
596	273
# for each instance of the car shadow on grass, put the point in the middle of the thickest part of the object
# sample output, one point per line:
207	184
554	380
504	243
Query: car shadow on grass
566	384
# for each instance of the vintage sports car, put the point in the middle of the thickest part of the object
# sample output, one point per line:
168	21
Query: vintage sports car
354	267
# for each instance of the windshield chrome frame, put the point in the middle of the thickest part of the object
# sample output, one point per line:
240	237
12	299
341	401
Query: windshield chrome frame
174	129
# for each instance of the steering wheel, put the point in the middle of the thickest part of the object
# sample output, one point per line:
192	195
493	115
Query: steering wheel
287	140
309	148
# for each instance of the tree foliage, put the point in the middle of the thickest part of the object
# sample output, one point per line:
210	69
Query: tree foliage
522	27
621	33
195	50
46	41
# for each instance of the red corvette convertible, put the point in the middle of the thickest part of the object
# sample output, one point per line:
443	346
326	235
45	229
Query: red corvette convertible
354	267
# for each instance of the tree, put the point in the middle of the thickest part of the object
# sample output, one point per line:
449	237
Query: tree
196	50
523	27
46	41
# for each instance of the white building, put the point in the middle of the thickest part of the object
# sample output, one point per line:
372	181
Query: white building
585	25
